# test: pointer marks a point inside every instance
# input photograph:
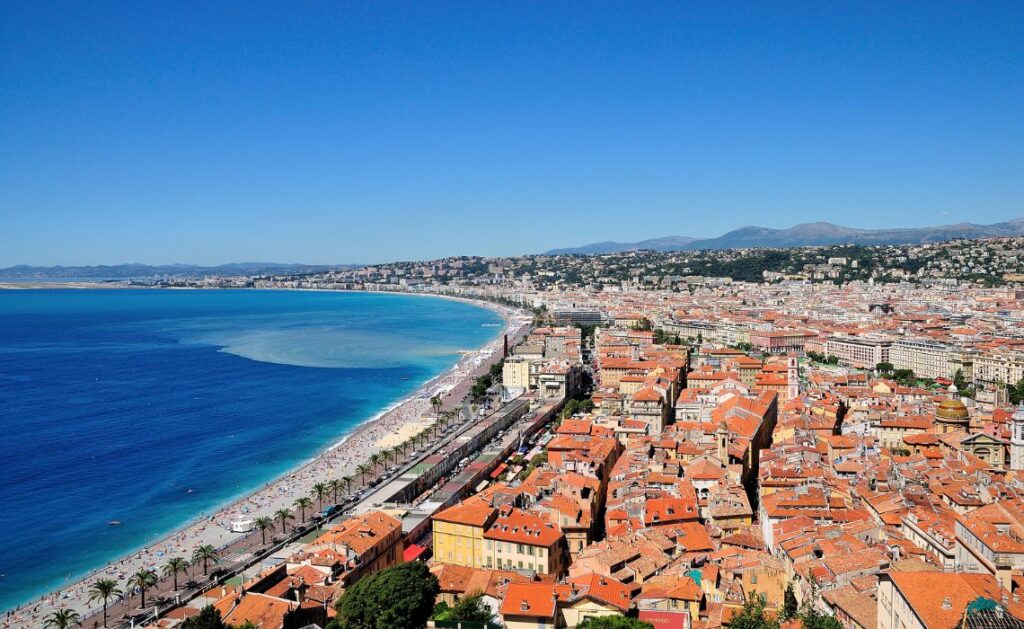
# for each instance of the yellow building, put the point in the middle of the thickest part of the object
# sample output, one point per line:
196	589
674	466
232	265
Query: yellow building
522	541
515	373
458	533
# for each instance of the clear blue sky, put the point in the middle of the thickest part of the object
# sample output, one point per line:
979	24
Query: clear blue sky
330	132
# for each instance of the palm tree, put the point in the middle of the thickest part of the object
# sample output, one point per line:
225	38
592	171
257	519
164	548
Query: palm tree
143	579
283	515
362	469
375	460
175	565
334	485
404	446
205	554
302	504
347	482
63	619
263	523
320	490
104	590
388	453
435	402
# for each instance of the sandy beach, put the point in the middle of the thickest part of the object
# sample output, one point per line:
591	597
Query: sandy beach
387	428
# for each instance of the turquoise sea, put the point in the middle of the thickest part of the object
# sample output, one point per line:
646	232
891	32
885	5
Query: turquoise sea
153	406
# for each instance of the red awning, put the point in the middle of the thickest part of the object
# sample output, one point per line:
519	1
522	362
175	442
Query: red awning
412	552
498	470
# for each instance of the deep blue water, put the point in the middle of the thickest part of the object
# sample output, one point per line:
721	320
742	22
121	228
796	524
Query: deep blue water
113	403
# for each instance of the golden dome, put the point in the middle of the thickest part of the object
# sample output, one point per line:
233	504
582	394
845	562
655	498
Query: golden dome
952	412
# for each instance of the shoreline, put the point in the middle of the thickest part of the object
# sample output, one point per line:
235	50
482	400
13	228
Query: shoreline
337	458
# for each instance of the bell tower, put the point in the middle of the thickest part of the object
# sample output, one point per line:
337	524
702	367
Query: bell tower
792	378
1017	439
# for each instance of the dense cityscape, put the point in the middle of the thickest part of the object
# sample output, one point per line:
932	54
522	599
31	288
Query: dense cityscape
664	445
512	315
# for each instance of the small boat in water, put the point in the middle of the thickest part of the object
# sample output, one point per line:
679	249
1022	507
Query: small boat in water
114	523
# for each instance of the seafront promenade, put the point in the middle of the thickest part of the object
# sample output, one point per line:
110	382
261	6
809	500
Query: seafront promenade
337	461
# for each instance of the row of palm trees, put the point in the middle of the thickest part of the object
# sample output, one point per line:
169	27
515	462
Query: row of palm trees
103	590
106	589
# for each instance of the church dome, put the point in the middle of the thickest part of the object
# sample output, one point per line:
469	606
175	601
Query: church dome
953	411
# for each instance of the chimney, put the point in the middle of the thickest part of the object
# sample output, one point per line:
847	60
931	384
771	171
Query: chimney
947	603
524	605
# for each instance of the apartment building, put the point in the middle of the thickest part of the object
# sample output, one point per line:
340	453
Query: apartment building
862	352
459	532
515	373
990	540
927	600
998	367
518	540
369	543
928	359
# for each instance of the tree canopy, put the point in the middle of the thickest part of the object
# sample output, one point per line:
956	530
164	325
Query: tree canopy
207	618
399	597
469	608
754	615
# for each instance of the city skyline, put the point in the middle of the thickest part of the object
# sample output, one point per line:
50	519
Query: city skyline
369	134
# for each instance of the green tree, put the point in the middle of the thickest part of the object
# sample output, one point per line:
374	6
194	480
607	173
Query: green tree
435	403
175	566
334	485
207	618
884	368
1016	392
362	469
810	617
789	605
143	580
264	524
614	622
469	608
321	490
398	597
754	615
206	554
962	385
282	516
103	590
904	376
63	619
302	503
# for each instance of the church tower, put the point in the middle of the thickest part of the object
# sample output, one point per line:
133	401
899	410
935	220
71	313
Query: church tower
792	378
1017	439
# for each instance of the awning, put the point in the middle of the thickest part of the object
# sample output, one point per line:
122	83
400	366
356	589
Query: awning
412	552
499	470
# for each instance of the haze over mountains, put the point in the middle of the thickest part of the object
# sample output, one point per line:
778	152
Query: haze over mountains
805	235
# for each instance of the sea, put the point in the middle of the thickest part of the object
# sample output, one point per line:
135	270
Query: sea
151	407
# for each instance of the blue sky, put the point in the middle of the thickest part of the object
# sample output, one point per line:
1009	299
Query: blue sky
210	132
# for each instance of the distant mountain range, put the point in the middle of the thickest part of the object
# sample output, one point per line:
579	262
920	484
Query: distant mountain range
127	271
806	235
